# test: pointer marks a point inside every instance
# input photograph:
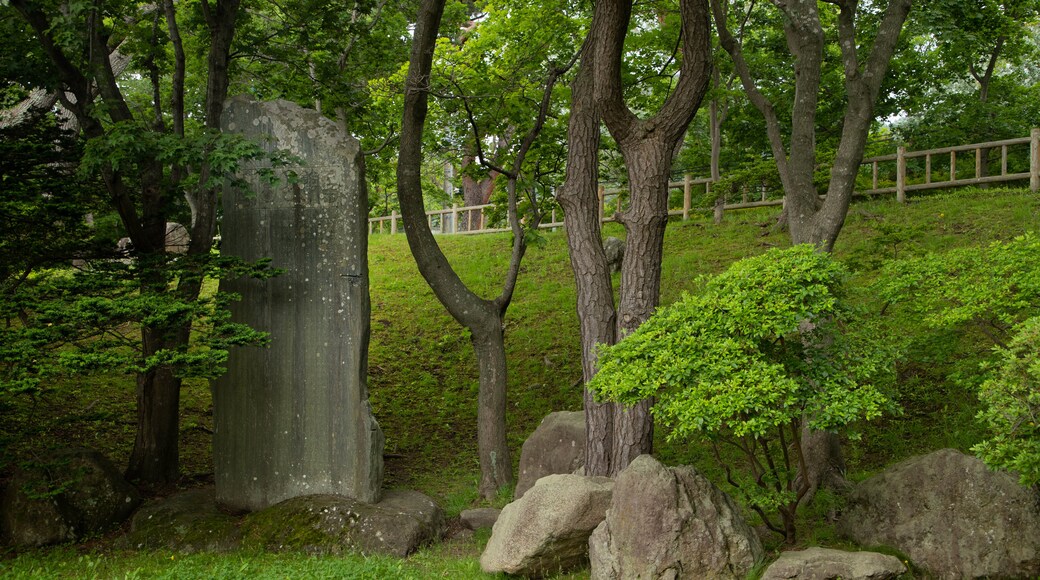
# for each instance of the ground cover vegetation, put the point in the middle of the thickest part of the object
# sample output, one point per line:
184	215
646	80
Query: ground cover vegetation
424	401
118	106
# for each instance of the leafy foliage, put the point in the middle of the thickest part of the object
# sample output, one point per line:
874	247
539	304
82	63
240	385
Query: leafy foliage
87	321
41	191
990	287
996	290
762	348
1012	406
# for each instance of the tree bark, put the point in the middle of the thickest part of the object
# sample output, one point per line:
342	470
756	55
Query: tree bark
595	295
647	147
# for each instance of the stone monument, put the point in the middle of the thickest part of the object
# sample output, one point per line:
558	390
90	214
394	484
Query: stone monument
293	419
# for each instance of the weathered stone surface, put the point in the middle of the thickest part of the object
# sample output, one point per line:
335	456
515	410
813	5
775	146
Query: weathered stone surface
186	522
177	238
615	250
827	564
556	446
332	524
69	495
547	530
671	523
479	518
31	521
294	419
951	515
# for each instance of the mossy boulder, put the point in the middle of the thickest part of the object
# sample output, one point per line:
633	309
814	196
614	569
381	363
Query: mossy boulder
331	524
186	522
67	495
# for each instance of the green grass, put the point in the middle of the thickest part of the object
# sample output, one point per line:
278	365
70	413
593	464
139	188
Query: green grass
423	379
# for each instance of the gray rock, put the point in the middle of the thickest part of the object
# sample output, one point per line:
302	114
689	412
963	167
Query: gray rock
294	419
332	524
177	238
556	446
186	522
479	518
827	564
28	518
951	515
615	250
70	494
671	523
547	530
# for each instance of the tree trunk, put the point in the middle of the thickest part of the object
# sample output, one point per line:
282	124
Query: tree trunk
647	146
595	296
496	468
155	456
482	317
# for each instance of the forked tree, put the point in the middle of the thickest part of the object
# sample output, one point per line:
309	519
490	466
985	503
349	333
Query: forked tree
483	318
864	66
615	435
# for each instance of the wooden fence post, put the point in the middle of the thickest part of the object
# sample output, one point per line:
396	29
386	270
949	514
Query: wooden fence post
687	199
454	218
1034	160
602	202
393	222
901	175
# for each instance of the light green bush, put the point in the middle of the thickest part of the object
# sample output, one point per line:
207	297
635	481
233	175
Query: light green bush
764	346
1012	406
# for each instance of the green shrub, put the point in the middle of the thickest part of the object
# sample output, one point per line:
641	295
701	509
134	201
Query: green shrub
994	289
763	347
1012	406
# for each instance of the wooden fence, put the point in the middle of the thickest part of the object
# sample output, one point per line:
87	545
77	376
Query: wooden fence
887	174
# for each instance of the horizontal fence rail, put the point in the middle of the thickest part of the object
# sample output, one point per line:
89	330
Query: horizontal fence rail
896	173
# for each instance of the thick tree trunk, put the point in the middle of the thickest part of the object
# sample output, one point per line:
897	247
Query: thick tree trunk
155	456
648	162
647	146
595	297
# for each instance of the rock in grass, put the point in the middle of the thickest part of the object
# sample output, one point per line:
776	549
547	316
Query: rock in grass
479	518
547	530
556	446
827	564
186	522
332	524
951	515
671	522
68	495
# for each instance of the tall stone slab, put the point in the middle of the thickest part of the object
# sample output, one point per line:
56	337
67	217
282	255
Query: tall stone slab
293	419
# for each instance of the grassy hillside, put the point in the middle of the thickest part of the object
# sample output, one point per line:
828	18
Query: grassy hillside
423	379
423	376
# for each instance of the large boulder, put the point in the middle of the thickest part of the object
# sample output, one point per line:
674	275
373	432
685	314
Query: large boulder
185	522
827	564
332	524
671	523
951	515
68	495
556	446
547	530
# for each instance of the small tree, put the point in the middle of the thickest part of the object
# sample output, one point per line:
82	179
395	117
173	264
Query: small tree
765	346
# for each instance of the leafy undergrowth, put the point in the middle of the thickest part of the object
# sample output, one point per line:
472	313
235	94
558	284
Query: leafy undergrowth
423	379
